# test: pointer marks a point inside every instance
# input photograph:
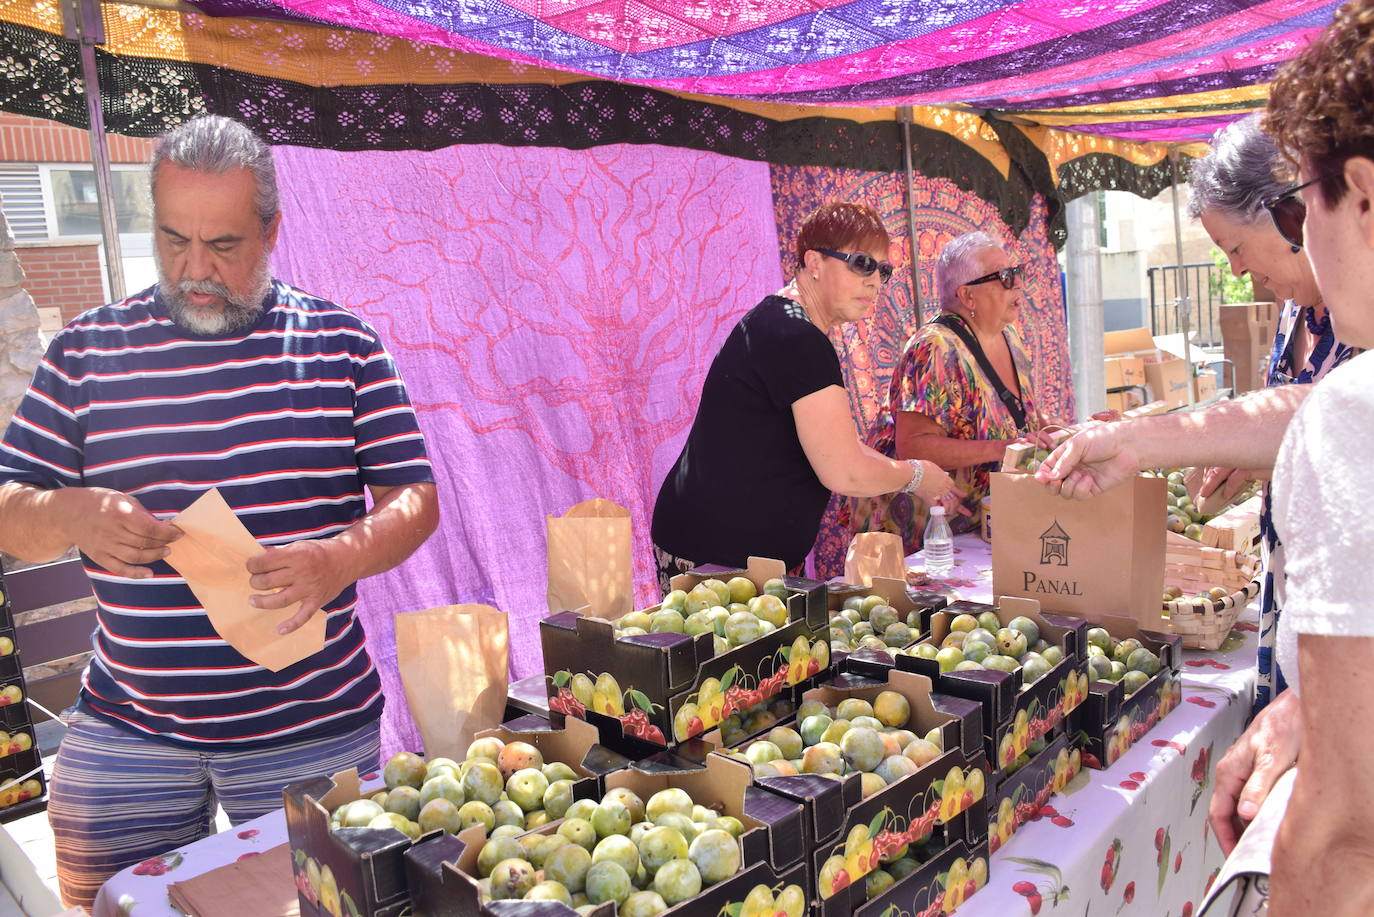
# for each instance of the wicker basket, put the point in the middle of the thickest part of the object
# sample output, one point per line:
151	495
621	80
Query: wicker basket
1197	569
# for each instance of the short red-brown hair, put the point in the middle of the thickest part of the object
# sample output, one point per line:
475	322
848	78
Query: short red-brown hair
841	226
1321	105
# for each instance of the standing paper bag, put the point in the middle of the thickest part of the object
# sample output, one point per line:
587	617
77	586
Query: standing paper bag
874	554
1090	558
453	664
589	560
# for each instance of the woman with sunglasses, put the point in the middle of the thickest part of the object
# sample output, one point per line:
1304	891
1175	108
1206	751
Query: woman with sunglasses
773	435
1256	218
1321	112
961	391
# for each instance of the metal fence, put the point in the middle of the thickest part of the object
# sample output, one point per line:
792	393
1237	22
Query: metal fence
1204	292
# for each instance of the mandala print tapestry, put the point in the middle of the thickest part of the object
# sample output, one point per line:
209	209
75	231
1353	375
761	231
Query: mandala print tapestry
869	349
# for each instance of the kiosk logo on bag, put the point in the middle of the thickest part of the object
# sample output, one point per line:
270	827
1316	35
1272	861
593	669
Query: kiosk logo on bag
1054	546
1054	552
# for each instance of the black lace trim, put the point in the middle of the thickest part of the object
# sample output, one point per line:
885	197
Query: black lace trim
144	97
1108	172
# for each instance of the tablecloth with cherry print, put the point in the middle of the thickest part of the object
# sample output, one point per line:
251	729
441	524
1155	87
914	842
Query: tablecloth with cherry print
1130	841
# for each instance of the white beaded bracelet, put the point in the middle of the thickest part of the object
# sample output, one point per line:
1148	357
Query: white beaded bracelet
918	472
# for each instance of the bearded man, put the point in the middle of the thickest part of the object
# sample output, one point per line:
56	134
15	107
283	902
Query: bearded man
217	377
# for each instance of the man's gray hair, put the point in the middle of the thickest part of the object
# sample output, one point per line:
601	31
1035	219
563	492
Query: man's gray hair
215	144
1237	176
958	265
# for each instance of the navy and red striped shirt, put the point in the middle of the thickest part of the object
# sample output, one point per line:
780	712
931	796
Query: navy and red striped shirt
290	419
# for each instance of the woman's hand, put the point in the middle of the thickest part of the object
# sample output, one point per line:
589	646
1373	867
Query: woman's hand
938	488
1247	772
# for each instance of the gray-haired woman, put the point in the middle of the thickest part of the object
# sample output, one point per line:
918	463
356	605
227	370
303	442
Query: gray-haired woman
961	391
1249	214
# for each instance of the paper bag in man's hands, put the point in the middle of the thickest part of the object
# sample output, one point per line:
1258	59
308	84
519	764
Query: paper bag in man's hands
874	554
453	664
213	558
589	560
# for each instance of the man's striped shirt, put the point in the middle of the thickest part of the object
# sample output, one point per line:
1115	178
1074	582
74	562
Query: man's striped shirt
289	419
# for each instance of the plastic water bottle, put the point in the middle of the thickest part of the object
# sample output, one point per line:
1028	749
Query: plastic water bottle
939	544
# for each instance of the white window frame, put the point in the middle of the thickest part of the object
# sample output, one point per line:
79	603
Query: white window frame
45	170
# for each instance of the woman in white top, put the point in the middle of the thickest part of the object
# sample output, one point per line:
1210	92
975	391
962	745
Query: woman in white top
1321	111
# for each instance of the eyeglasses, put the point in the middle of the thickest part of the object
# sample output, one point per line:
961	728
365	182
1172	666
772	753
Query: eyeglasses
1006	275
861	263
1288	212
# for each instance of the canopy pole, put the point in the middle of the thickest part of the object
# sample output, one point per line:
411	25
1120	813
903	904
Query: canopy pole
1185	306
907	115
81	22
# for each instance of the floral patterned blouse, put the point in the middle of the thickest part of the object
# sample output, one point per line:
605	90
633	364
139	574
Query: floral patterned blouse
937	376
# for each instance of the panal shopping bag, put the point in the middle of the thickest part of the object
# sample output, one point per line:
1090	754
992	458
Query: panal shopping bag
1090	558
453	663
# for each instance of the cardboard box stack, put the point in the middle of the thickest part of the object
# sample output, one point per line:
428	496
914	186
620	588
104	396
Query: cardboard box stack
1165	375
360	870
1247	337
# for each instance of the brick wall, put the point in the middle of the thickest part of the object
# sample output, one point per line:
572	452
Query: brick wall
24	139
63	277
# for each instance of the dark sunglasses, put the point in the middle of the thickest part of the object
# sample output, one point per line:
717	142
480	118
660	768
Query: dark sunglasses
1006	275
861	263
1288	212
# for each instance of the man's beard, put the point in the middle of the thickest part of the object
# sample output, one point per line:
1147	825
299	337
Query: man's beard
238	312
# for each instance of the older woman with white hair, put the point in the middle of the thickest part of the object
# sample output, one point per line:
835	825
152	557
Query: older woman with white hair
1244	206
961	391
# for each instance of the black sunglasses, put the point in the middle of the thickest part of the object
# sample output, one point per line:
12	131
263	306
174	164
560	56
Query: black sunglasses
1006	275
861	263
1288	212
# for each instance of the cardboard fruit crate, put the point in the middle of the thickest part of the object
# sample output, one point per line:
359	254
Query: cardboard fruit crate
644	682
440	869
932	801
942	884
1018	798
1110	721
897	595
1012	717
361	870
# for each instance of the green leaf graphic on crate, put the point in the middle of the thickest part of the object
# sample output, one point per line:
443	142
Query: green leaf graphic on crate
803	659
635	721
766	901
708	708
574	693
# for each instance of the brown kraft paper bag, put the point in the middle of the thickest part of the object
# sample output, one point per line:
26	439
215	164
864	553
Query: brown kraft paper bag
1090	558
874	554
589	560
453	663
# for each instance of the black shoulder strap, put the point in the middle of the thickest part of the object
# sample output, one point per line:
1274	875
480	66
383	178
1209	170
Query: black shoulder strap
1014	404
